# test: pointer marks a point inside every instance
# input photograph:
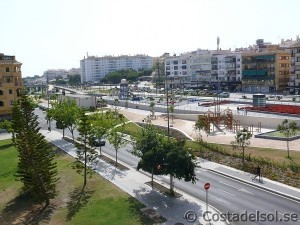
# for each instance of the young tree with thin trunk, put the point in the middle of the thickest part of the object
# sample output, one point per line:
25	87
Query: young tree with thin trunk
152	111
242	140
36	167
288	129
200	125
171	108
101	123
117	140
86	157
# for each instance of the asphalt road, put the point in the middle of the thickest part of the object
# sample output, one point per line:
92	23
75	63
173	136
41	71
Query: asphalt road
227	195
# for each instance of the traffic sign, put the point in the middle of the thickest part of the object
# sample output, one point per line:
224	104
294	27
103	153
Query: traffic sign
206	186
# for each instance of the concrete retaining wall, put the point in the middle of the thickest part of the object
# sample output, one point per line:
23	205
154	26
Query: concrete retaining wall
266	122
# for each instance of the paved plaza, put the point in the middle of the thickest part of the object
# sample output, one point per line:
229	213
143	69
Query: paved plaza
225	137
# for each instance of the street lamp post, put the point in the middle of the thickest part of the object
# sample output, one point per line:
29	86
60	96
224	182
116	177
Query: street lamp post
49	119
168	131
167	91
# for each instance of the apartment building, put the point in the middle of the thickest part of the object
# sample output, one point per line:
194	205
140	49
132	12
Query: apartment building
10	83
95	68
177	71
294	82
226	71
216	68
265	71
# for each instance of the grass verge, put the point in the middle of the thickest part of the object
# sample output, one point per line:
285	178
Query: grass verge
100	203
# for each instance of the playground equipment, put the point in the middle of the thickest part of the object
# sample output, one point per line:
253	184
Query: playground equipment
225	118
216	119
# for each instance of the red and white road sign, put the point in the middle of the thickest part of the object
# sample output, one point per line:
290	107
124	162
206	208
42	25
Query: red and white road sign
206	186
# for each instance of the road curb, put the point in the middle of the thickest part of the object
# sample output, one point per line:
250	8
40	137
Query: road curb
257	186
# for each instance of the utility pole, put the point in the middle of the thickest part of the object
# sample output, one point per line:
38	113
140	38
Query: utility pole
168	131
157	74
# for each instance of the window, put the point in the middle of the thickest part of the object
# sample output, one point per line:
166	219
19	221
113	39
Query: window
175	67
10	91
7	69
183	67
183	61
175	62
1	103
284	57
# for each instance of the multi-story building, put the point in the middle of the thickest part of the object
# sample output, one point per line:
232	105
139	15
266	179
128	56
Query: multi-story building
265	72
177	71
10	83
294	82
218	69
226	71
200	68
95	68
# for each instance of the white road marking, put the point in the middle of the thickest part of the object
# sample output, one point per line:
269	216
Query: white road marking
228	185
245	191
219	199
226	192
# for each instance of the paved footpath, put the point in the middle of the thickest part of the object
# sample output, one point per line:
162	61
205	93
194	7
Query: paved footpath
226	137
133	182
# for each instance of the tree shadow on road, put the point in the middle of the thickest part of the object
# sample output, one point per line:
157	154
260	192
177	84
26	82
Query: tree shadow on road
79	197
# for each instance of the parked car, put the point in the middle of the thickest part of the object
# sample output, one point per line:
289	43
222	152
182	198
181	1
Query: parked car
99	142
224	95
42	107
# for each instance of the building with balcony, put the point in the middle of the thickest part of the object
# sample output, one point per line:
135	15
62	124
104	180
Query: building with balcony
177	71
95	68
294	82
218	69
226	71
10	84
265	72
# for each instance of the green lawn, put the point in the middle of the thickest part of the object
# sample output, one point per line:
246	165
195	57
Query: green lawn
100	203
278	134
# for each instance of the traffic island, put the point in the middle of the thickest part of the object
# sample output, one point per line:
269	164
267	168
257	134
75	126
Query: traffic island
113	162
162	189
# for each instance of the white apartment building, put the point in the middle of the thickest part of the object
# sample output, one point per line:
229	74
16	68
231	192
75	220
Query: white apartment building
177	69
204	67
95	68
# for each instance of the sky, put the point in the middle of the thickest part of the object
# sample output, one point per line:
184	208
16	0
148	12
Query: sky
57	34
